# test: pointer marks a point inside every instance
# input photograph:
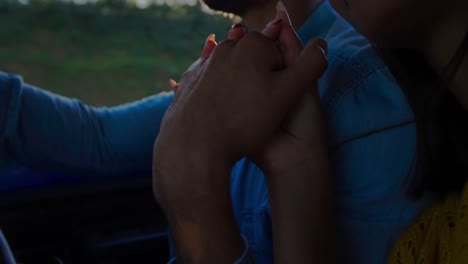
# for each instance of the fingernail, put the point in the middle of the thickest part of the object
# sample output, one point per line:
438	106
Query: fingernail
323	45
321	50
211	37
280	7
237	26
172	83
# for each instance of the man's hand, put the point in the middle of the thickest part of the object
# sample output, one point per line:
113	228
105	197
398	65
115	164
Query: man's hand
228	106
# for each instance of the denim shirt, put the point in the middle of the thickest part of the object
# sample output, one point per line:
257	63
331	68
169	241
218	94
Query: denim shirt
372	141
55	136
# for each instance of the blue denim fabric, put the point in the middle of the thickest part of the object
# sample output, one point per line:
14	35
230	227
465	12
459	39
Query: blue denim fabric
57	135
372	139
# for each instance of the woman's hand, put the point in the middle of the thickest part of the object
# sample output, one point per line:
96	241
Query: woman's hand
295	163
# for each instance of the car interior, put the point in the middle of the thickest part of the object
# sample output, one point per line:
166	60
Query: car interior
99	221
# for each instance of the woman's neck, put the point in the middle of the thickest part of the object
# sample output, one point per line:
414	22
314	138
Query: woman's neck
257	17
442	43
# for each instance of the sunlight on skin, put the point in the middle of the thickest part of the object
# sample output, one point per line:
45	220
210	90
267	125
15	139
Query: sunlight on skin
144	3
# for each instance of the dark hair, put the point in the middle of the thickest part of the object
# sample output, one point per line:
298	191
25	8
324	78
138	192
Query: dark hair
441	122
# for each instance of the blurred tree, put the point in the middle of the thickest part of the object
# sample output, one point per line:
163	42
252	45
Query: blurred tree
7	3
117	4
106	52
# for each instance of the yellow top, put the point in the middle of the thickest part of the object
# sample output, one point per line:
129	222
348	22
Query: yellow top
440	235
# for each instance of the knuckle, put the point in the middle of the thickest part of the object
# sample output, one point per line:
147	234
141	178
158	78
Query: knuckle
188	75
259	46
317	56
316	50
254	39
225	46
254	35
222	51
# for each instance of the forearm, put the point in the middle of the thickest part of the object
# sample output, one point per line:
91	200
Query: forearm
198	207
44	131
301	205
209	236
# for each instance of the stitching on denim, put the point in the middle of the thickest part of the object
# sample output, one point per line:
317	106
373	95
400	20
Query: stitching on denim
354	85
373	132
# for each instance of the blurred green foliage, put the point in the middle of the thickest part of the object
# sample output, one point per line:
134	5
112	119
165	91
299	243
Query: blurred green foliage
105	53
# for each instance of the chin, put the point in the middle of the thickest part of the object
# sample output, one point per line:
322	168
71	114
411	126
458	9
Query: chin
236	7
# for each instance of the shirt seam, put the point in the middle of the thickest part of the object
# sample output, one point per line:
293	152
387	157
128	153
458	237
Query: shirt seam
363	69
373	132
354	85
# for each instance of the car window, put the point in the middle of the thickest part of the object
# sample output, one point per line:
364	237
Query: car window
104	52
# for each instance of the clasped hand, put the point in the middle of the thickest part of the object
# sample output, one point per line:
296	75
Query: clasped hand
254	95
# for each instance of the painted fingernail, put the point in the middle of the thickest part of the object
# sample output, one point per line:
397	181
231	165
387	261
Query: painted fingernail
281	8
211	37
237	26
172	83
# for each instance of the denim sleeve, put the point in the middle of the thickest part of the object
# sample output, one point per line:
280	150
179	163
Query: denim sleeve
247	256
48	132
372	137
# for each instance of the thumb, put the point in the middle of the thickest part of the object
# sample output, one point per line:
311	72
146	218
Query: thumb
281	30
306	116
306	69
288	41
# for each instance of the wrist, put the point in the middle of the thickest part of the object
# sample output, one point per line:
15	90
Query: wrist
301	208
211	239
175	153
192	186
300	161
200	213
188	175
302	182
